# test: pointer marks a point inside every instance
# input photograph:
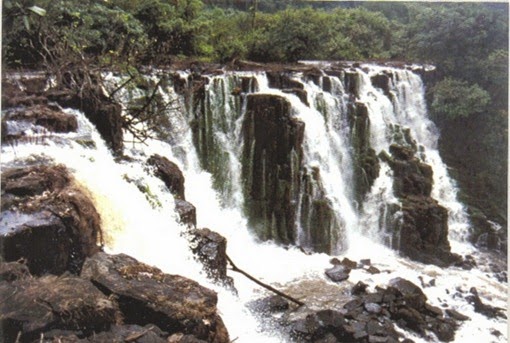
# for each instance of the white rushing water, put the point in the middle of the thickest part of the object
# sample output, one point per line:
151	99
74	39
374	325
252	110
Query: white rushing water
144	225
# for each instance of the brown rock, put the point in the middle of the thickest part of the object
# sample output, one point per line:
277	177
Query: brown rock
148	296
36	305
169	173
47	220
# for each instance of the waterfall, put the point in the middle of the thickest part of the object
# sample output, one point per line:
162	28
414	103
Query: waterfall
336	180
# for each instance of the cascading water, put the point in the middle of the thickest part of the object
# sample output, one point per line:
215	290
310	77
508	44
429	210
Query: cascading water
206	140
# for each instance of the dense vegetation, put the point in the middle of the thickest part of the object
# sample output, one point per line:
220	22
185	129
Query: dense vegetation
468	42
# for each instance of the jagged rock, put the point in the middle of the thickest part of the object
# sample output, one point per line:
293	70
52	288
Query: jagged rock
366	163
130	333
456	315
318	220
169	173
412	294
359	288
487	310
187	212
352	83
272	158
424	231
211	249
282	81
36	305
382	81
350	264
11	271
271	304
103	112
300	93
373	270
338	273
249	84
148	296
326	84
37	118
47	220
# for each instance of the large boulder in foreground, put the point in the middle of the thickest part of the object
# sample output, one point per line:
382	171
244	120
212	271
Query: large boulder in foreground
147	296
47	220
32	306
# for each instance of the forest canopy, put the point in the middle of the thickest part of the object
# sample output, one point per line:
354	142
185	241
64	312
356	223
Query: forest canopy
468	42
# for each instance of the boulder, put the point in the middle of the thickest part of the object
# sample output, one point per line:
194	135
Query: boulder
270	304
11	271
148	296
423	234
47	219
411	293
37	305
169	173
211	249
338	273
187	212
128	333
272	157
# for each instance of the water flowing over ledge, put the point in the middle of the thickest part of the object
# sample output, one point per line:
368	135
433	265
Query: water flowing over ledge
312	179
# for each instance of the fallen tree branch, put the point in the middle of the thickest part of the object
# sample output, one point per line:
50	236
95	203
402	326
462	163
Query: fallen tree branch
274	290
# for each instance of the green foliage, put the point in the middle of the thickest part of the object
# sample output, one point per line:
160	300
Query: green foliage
455	99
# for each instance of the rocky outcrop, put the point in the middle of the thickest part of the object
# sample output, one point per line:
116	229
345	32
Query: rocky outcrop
19	123
272	157
169	173
35	90
319	224
211	250
104	113
370	317
33	306
47	220
366	163
423	230
187	212
147	296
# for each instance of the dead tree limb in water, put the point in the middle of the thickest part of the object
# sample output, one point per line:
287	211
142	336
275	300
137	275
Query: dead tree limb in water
258	282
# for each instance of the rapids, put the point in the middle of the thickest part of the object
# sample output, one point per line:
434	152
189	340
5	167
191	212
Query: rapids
145	226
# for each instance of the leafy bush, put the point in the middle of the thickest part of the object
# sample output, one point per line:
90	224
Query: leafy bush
455	99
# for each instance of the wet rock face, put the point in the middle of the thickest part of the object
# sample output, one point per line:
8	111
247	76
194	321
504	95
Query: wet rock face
38	118
187	212
147	296
366	163
423	231
105	114
169	173
318	221
36	305
272	157
211	249
47	220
